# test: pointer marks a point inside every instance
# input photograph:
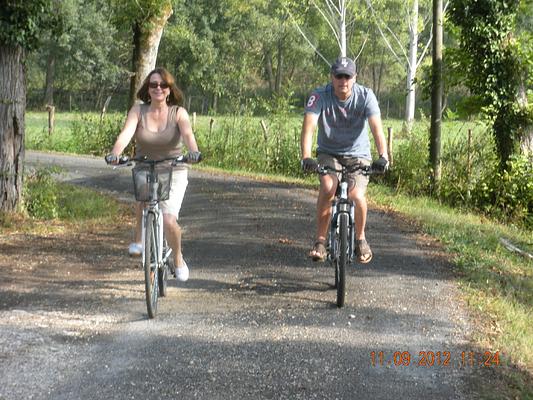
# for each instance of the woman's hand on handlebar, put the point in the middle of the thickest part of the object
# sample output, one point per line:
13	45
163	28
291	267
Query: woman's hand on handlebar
194	157
113	159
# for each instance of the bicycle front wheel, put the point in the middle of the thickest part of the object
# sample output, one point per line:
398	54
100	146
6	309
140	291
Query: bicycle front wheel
342	259
150	265
163	271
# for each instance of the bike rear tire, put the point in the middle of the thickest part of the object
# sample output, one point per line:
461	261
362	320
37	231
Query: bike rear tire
342	259
150	265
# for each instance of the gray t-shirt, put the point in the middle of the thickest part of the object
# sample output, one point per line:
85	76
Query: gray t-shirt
342	125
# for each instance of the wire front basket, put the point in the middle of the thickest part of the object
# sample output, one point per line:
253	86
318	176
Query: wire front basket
152	185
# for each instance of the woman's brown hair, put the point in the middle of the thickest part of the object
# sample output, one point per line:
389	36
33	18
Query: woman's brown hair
176	95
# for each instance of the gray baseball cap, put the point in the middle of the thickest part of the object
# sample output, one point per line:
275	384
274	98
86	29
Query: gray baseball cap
343	65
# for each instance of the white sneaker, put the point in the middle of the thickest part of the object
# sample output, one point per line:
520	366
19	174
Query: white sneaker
135	249
182	273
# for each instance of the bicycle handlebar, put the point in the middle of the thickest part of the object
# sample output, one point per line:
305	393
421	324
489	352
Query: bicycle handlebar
143	159
365	169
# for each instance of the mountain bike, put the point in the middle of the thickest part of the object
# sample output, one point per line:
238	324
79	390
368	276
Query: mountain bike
341	234
152	181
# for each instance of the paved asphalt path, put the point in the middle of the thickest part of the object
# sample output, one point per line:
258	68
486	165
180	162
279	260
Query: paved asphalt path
257	319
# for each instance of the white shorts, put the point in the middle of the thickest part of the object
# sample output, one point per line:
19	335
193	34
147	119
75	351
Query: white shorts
177	192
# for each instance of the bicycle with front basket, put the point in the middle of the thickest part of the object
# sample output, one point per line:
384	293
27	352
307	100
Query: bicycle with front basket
152	182
341	234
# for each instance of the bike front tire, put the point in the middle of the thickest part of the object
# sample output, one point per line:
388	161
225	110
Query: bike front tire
151	278
342	259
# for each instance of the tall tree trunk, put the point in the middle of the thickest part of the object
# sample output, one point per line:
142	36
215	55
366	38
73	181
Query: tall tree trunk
380	76
436	93
12	110
526	140
268	68
342	27
411	68
50	77
215	104
279	68
146	38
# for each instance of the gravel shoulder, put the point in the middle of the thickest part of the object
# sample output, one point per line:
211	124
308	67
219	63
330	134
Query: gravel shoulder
256	319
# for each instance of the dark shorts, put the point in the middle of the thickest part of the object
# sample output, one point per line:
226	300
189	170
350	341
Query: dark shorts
356	178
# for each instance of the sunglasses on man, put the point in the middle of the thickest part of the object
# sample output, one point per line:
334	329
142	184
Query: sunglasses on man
162	85
342	76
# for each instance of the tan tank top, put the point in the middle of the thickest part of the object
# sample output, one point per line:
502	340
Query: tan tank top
158	145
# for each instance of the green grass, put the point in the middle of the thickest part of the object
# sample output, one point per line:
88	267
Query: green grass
37	136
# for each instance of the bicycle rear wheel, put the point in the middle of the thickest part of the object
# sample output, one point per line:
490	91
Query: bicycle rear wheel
150	265
342	259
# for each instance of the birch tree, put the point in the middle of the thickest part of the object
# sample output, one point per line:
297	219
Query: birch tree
337	17
410	59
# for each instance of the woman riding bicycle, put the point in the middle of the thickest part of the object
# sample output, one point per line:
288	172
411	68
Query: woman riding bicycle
341	109
160	126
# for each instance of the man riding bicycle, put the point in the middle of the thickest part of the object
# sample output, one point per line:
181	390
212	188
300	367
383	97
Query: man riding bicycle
342	110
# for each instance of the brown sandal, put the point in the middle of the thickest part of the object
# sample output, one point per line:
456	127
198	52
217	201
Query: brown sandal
318	252
362	251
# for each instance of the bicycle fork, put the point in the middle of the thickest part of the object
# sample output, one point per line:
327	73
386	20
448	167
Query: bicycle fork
341	205
158	217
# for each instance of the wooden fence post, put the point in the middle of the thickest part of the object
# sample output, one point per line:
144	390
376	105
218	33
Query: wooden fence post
389	145
265	136
51	118
104	109
194	121
211	123
468	164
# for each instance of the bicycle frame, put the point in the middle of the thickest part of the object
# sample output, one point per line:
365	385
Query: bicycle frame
154	209
341	235
156	254
341	204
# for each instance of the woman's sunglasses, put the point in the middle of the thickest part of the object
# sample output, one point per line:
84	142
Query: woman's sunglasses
162	85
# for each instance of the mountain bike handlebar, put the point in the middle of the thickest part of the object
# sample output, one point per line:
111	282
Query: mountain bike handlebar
365	169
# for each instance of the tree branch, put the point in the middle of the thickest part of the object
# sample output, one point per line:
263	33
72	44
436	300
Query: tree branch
308	41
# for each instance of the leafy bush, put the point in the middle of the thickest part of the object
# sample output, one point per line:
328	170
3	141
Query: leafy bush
411	173
507	194
92	135
471	176
45	198
40	194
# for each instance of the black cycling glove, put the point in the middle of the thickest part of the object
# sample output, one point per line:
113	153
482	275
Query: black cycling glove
309	165
380	165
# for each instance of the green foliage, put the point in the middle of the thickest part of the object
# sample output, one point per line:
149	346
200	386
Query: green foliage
471	174
45	199
127	13
92	135
89	57
411	173
507	194
40	194
490	58
21	22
